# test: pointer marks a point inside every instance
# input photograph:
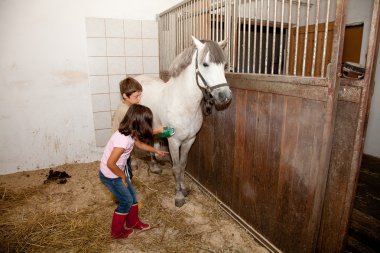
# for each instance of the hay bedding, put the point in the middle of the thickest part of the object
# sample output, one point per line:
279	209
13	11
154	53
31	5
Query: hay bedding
75	216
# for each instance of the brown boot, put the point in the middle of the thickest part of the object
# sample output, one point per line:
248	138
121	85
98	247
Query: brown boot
132	220
117	229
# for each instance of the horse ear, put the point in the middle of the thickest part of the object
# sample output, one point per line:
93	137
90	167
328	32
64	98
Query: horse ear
223	43
197	43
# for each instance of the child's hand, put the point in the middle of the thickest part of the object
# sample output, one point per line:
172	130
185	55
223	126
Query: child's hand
161	152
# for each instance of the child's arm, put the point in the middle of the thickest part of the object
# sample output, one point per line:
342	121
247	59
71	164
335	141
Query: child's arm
111	163
146	147
159	130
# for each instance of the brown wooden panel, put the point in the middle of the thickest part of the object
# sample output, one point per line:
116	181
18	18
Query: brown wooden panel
339	173
271	149
206	153
224	152
239	156
248	206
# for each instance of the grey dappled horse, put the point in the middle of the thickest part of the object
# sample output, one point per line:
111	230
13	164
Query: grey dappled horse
196	74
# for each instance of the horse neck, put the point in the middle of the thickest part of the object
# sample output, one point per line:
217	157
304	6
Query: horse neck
187	86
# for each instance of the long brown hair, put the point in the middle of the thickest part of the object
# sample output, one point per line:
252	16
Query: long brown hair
138	122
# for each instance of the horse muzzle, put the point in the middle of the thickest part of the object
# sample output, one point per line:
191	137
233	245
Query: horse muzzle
222	96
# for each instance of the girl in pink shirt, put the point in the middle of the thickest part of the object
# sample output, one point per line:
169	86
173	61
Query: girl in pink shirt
135	129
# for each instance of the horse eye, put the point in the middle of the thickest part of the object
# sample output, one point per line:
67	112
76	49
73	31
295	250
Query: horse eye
205	64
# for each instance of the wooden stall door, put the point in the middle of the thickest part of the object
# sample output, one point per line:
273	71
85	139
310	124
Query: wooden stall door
267	155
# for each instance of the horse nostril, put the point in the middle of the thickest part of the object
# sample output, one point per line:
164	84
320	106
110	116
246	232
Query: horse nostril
222	96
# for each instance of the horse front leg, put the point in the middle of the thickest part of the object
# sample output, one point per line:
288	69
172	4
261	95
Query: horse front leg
153	164
174	146
185	148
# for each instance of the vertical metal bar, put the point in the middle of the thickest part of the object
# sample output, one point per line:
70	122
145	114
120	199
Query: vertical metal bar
204	13
261	35
234	37
212	20
325	39
239	45
249	35
209	20
217	20
281	37
215	11
316	30
244	47
183	27
267	38
180	30
274	36
289	35
226	26
297	35
192	17
203	19
188	27
254	40
227	29
306	34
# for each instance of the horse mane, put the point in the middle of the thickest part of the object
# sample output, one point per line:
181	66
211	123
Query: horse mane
183	60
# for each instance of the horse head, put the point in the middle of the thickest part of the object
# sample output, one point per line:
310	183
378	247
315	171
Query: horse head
210	63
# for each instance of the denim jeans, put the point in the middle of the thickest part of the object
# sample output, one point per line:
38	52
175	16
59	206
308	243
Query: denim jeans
125	195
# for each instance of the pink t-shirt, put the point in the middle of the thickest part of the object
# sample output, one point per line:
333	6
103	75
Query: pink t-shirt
117	140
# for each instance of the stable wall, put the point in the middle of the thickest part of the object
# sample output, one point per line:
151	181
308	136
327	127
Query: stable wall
46	114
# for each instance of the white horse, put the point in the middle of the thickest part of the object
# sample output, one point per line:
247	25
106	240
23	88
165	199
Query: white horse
196	74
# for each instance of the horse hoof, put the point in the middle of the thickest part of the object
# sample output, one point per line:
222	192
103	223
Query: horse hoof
155	170
179	202
185	192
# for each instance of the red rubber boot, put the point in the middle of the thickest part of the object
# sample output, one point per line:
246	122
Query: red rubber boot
132	220
117	228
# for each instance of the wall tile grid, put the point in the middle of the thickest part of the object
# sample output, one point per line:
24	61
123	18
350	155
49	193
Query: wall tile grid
117	48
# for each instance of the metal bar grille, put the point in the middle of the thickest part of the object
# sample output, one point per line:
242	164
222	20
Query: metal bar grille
272	37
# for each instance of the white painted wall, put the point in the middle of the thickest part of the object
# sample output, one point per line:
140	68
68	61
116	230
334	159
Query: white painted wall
45	99
372	139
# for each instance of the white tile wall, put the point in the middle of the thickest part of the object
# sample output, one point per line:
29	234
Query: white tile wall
117	48
116	65
99	84
134	65
132	28
102	136
114	28
133	47
115	100
97	66
102	120
95	27
96	47
150	65
101	102
149	29
114	81
150	47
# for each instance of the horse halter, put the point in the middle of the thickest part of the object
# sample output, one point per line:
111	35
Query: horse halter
208	100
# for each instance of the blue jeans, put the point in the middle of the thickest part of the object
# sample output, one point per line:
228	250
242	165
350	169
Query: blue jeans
125	195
